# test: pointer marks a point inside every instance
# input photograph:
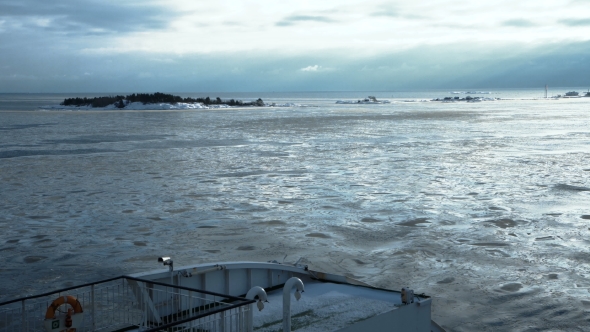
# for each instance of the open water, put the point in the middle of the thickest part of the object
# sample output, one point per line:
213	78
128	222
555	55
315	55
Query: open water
485	206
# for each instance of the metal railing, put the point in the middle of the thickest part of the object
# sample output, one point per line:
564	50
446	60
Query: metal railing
126	303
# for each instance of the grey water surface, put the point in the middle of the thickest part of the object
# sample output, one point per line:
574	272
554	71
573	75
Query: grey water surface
483	206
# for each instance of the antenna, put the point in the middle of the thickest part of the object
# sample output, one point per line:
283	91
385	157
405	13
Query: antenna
546	87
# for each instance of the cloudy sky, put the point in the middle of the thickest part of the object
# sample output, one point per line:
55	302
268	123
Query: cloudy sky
246	45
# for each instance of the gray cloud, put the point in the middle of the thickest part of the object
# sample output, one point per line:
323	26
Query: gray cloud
519	23
572	22
86	17
294	19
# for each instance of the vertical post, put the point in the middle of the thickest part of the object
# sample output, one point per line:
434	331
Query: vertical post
93	305
178	283
231	320
145	306
166	306
24	316
189	303
222	321
546	87
290	284
240	316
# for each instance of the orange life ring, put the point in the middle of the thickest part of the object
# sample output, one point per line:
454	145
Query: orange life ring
72	301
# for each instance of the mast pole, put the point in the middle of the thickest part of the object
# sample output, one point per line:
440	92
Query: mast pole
546	90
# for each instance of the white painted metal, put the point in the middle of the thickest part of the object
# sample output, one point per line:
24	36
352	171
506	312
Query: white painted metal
293	282
254	292
236	279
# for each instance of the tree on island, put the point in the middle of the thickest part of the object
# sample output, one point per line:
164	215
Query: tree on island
154	98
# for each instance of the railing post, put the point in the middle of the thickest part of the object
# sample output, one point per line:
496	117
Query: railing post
24	316
93	305
145	306
240	318
222	321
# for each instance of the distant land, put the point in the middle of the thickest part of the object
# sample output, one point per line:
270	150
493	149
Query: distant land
152	98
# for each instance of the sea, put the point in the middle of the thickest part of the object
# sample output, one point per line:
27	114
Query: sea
485	206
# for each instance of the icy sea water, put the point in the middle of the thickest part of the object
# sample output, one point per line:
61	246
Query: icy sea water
483	206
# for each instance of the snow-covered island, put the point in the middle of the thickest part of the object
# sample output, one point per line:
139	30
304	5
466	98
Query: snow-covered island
368	100
155	101
467	99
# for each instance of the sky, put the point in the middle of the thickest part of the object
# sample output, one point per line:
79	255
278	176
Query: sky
253	46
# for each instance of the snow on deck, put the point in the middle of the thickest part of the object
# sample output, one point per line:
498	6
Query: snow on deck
325	307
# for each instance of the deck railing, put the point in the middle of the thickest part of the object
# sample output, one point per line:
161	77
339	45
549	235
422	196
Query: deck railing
129	304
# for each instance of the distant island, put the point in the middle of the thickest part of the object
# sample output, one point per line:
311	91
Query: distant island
368	100
153	98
